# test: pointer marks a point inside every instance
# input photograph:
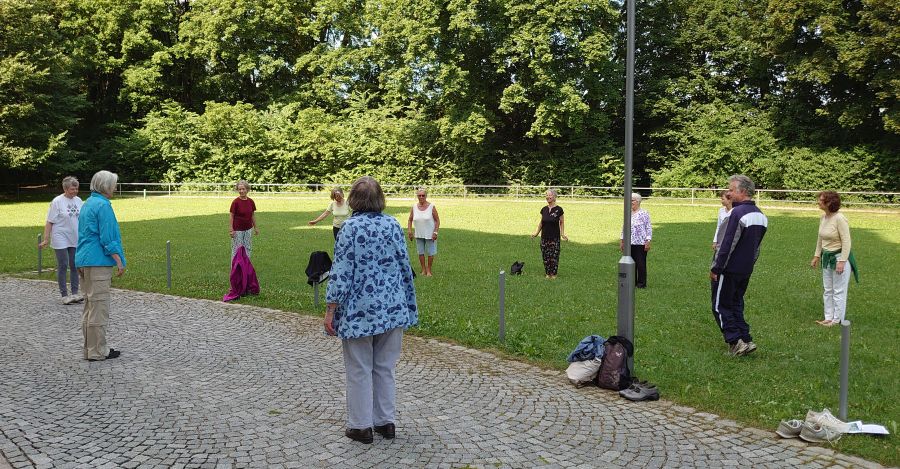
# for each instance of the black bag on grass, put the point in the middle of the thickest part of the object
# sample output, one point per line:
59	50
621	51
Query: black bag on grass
614	372
516	268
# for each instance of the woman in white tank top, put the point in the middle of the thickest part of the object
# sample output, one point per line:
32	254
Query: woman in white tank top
424	218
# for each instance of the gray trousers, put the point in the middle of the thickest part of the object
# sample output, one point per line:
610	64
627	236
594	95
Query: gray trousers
65	261
370	363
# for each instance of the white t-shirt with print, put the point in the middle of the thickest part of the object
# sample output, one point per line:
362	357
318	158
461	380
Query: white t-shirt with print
63	215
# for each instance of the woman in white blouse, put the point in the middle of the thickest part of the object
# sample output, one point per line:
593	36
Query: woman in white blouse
424	217
833	252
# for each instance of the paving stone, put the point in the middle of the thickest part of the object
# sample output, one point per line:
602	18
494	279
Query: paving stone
207	384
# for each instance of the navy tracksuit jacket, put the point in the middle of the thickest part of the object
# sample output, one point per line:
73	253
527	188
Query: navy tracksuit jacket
733	264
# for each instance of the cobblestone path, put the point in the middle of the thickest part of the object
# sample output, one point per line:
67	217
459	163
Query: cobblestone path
208	384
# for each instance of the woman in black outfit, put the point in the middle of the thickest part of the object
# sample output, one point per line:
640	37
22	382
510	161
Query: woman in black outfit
552	227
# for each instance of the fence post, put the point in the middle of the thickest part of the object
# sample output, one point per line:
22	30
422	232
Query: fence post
845	368
169	264
40	251
692	195
502	306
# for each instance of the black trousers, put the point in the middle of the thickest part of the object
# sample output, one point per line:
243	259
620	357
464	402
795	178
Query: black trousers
640	263
728	306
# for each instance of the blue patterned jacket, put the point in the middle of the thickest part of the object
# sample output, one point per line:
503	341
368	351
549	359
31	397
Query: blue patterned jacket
371	278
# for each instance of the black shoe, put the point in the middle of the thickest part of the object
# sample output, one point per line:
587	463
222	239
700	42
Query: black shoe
388	431
113	353
362	435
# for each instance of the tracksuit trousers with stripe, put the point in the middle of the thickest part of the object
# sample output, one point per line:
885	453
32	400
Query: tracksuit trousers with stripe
728	306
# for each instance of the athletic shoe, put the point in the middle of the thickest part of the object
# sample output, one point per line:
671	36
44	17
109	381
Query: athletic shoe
640	393
67	300
738	348
827	420
78	297
789	428
751	347
815	433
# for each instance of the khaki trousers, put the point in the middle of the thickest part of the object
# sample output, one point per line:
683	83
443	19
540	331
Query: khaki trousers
95	283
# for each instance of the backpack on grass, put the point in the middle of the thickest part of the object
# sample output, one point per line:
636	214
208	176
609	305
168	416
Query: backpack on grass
614	372
516	268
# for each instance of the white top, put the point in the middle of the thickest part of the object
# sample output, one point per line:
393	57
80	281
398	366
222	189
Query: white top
339	213
423	221
723	214
63	216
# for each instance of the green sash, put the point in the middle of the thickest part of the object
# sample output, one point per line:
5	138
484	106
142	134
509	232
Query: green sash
830	258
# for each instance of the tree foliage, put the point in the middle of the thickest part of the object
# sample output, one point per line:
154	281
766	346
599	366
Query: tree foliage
476	91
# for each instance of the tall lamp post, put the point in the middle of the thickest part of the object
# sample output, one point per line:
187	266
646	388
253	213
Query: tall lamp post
625	315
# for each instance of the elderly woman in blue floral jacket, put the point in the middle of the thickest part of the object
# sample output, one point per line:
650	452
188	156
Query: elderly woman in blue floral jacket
371	301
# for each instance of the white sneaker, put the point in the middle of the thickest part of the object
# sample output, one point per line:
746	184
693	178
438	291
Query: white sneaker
815	433
78	297
827	420
67	300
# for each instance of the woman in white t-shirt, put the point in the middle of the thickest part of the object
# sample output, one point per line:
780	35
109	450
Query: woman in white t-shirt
724	210
61	233
424	217
339	209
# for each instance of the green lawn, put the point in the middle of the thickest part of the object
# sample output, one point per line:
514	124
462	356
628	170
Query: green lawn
678	346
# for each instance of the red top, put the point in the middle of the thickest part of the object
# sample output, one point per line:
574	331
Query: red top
243	214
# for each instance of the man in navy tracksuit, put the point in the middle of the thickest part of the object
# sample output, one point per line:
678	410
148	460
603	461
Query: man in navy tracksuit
733	264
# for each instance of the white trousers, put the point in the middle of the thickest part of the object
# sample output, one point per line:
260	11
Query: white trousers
835	296
371	392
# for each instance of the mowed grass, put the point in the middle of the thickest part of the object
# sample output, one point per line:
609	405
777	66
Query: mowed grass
678	346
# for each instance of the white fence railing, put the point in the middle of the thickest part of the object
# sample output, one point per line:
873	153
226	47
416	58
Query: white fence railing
682	194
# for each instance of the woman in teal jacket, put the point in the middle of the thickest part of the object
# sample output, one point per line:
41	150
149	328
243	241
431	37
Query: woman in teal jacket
99	250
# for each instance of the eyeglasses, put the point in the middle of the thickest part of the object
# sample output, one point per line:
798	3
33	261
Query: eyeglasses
420	195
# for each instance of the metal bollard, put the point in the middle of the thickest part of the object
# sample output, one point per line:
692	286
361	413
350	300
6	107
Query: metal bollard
845	368
169	264
502	306
40	253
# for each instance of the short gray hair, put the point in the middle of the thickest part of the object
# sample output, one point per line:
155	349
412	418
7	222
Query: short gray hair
242	183
553	192
636	196
104	182
745	184
69	181
421	189
335	192
366	195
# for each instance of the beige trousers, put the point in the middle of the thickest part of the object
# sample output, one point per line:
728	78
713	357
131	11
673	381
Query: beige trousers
95	285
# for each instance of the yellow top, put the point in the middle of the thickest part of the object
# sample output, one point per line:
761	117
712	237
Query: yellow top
834	235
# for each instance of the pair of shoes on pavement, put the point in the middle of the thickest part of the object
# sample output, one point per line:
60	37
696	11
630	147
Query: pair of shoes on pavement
819	427
741	348
366	436
640	391
73	298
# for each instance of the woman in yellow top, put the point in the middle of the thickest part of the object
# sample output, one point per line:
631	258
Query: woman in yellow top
339	208
833	252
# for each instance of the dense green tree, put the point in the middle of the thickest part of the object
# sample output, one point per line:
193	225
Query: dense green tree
40	99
